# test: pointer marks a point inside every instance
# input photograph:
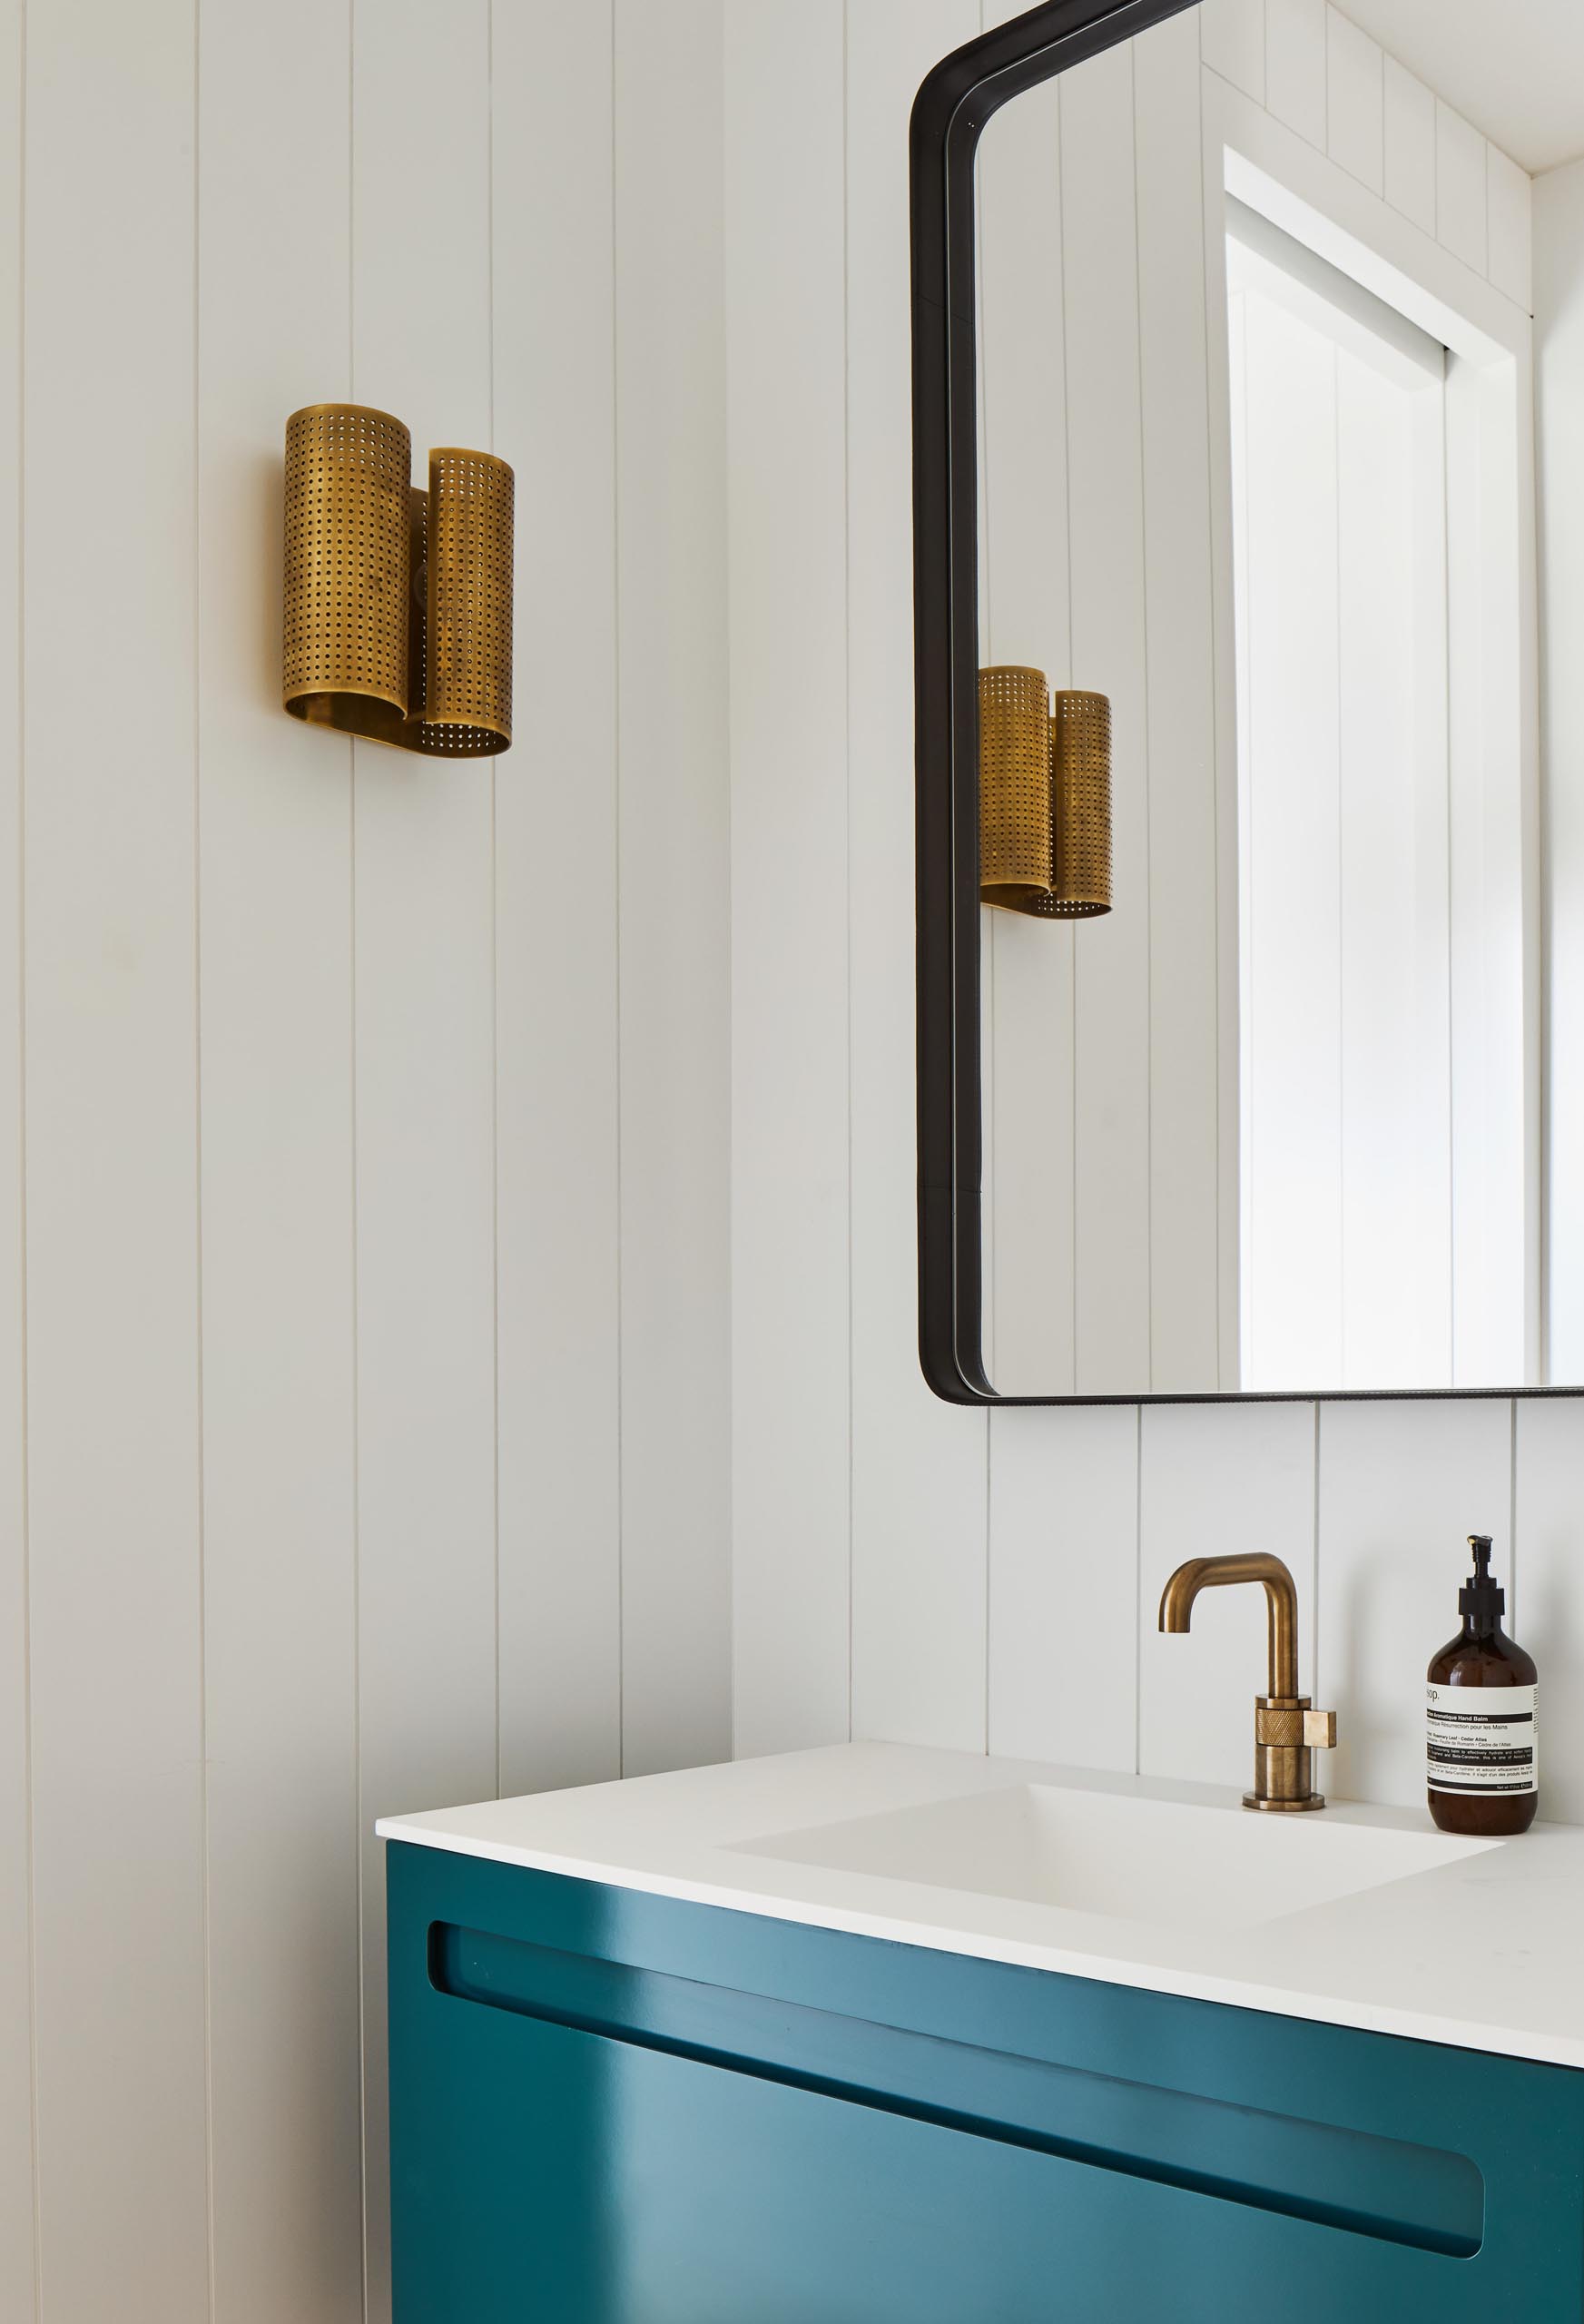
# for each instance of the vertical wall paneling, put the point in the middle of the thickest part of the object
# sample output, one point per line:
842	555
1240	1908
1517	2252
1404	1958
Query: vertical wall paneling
16	2182
786	456
1545	1608
1459	188
375	1121
1228	612
1214	1481
918	1474
1356	102
1559	228
1026	582
1508	210
1027	1062
424	1023
110	1030
555	905
274	829
1520	634
1186	1161
1400	1486
1106	500
271	1105
1064	1573
674	869
1411	141
1296	40
1233	43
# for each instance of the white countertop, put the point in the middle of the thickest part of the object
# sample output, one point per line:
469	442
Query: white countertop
1485	1952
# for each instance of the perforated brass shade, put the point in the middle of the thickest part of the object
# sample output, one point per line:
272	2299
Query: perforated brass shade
348	568
1016	857
398	602
1045	797
1080	807
468	696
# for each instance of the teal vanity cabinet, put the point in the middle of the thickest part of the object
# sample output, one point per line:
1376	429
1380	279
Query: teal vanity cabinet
609	2107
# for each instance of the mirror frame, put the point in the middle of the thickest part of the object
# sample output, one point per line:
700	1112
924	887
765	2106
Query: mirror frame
955	100
954	103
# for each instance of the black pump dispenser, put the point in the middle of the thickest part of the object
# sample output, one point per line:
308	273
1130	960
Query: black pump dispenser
1480	1601
1481	1745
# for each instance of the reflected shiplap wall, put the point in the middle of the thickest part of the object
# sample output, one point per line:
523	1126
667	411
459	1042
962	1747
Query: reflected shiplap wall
903	1569
1114	1256
1105	1196
363	1122
1559	282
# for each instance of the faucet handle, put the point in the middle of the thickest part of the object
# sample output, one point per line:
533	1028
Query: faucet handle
1320	1731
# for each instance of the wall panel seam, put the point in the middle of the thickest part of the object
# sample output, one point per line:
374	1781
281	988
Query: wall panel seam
1140	1588
356	1284
1314	1553
1144	707
989	1431
494	931
1341	947
29	1828
1067	431
1217	739
1512	1504
205	1850
847	733
616	877
355	1289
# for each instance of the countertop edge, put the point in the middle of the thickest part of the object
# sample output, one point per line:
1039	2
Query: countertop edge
1558	2050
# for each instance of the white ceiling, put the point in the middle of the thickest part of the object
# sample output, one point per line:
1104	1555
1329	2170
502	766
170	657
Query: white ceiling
1515	68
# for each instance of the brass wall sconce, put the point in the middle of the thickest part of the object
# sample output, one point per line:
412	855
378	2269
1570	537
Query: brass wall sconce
398	602
1045	796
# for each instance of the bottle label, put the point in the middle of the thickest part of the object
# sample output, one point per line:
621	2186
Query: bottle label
1482	1739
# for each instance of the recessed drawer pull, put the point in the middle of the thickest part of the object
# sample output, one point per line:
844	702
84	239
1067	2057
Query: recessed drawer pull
1354	2180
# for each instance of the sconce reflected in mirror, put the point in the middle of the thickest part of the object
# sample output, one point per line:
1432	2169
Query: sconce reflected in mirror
1045	796
398	602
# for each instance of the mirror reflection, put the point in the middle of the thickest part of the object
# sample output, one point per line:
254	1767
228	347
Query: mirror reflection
1281	430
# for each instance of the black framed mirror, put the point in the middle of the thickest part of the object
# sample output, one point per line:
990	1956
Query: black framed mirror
1242	1047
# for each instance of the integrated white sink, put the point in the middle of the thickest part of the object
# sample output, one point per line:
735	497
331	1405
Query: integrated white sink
1359	1916
1177	1865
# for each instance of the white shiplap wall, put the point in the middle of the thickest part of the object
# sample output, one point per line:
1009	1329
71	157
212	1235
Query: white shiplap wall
1001	1573
363	1121
364	1126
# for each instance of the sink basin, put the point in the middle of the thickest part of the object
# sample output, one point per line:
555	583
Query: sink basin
1128	1857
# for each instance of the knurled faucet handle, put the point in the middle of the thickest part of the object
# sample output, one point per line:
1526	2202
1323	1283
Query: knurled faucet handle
1320	1731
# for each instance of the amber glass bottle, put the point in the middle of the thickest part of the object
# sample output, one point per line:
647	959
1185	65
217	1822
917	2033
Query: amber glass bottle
1483	1753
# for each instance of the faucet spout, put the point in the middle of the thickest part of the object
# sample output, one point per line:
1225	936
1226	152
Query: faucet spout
1177	1606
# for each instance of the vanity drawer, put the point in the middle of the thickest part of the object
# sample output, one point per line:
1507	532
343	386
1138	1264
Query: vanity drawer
616	2108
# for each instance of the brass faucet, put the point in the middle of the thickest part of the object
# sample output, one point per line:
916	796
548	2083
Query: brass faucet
1286	1732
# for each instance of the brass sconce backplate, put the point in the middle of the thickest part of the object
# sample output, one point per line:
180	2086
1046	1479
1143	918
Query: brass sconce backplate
398	602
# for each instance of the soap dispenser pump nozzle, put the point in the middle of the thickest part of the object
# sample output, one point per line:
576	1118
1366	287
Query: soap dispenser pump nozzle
1481	1599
